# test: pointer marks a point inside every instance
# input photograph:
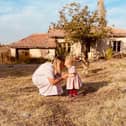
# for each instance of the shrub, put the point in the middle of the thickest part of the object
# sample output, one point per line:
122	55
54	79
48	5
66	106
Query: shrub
108	53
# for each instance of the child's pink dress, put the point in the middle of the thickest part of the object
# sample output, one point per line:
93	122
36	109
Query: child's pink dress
73	82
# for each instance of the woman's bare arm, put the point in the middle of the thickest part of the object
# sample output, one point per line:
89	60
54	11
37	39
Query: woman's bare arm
56	81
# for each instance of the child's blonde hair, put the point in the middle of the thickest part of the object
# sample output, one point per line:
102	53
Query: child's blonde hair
69	59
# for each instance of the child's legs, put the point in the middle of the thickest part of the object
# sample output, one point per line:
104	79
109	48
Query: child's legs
70	92
74	92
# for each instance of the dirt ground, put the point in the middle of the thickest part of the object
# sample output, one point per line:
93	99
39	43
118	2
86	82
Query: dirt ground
101	100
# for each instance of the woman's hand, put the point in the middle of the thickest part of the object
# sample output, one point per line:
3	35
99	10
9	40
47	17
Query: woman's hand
55	81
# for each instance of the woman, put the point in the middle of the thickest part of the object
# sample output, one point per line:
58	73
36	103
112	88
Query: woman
44	78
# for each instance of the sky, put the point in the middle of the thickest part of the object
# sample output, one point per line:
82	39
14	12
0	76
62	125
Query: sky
21	18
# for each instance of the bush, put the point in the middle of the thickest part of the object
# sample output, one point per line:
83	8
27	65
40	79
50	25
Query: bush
108	53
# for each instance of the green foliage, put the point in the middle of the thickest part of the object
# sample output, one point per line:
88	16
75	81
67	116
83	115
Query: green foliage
80	24
108	54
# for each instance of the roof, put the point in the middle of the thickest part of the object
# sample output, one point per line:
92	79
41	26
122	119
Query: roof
116	32
119	32
35	41
56	33
47	40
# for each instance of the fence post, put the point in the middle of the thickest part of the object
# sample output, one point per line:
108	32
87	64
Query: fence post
2	60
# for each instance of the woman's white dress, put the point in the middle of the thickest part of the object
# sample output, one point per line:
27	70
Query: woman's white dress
40	79
73	82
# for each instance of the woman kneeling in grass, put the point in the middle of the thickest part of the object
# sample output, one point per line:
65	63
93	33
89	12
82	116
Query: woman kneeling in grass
47	77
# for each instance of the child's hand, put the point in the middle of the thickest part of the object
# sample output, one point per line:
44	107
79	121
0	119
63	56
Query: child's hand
71	75
64	76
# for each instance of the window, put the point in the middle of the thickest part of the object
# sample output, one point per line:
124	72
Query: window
116	46
119	46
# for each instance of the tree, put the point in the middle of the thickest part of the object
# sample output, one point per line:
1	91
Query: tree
81	25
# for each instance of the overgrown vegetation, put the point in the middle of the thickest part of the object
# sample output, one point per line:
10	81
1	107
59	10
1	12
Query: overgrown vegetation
82	25
108	54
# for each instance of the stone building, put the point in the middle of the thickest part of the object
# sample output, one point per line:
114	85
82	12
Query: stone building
44	45
34	46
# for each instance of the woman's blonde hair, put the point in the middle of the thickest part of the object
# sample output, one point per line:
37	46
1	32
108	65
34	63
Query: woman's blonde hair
57	65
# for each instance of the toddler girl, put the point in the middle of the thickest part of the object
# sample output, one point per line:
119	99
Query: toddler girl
73	80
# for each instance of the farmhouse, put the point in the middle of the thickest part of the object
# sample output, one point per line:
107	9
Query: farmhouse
44	45
59	36
39	45
116	41
119	40
34	46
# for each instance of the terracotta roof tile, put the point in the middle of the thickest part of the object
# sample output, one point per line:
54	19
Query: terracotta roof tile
119	32
35	41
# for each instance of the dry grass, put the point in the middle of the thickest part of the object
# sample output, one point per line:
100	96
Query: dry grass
102	99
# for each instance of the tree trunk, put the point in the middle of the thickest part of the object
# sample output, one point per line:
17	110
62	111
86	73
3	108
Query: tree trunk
84	58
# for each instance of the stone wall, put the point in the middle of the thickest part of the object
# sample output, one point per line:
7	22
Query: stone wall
34	53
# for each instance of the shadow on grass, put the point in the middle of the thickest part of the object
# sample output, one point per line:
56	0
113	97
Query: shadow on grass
28	89
96	70
17	70
91	87
88	87
17	92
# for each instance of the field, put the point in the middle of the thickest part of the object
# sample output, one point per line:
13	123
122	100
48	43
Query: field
101	100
